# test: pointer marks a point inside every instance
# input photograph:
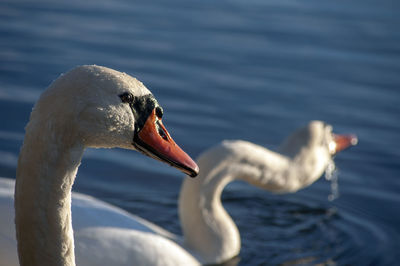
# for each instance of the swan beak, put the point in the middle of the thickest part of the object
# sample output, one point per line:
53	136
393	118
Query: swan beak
154	140
342	142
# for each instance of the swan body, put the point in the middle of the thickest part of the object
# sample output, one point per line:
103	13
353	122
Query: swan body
209	234
103	234
90	106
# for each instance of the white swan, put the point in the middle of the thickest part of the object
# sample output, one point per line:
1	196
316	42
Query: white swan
210	235
207	228
90	106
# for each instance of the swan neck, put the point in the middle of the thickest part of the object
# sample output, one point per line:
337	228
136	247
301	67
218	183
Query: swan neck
207	228
209	232
46	171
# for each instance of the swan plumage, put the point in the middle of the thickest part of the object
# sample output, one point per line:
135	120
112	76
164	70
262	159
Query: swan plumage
103	234
301	160
89	106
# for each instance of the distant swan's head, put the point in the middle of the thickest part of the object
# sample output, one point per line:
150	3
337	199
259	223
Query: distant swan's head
104	108
318	136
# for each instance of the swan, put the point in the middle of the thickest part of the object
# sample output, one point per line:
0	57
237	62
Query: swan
207	228
209	234
89	106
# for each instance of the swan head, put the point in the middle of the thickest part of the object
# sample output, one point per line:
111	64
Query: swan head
320	134
317	135
104	108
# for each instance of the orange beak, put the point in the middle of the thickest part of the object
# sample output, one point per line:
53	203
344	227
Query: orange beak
343	142
154	140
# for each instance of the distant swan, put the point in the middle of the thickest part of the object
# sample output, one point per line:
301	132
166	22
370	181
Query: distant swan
210	235
90	106
207	228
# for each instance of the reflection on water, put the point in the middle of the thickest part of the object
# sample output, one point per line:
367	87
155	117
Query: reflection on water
253	70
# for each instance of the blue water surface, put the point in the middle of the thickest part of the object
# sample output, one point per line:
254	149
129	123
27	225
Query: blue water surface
253	70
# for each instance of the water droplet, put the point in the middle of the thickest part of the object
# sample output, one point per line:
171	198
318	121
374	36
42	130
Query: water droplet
331	174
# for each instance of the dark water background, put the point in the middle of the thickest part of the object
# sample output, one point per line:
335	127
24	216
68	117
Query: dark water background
253	70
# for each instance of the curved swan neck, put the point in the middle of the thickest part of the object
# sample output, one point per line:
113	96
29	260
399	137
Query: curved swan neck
46	170
274	171
208	230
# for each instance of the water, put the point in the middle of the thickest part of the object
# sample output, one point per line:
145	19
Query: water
253	70
331	175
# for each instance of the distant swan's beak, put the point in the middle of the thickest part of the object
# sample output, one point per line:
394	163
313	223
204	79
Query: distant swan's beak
154	140
342	142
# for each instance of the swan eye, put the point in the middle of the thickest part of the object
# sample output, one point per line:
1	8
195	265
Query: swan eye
126	97
159	112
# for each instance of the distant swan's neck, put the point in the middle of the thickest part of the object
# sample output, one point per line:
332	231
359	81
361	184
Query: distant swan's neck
208	230
46	170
